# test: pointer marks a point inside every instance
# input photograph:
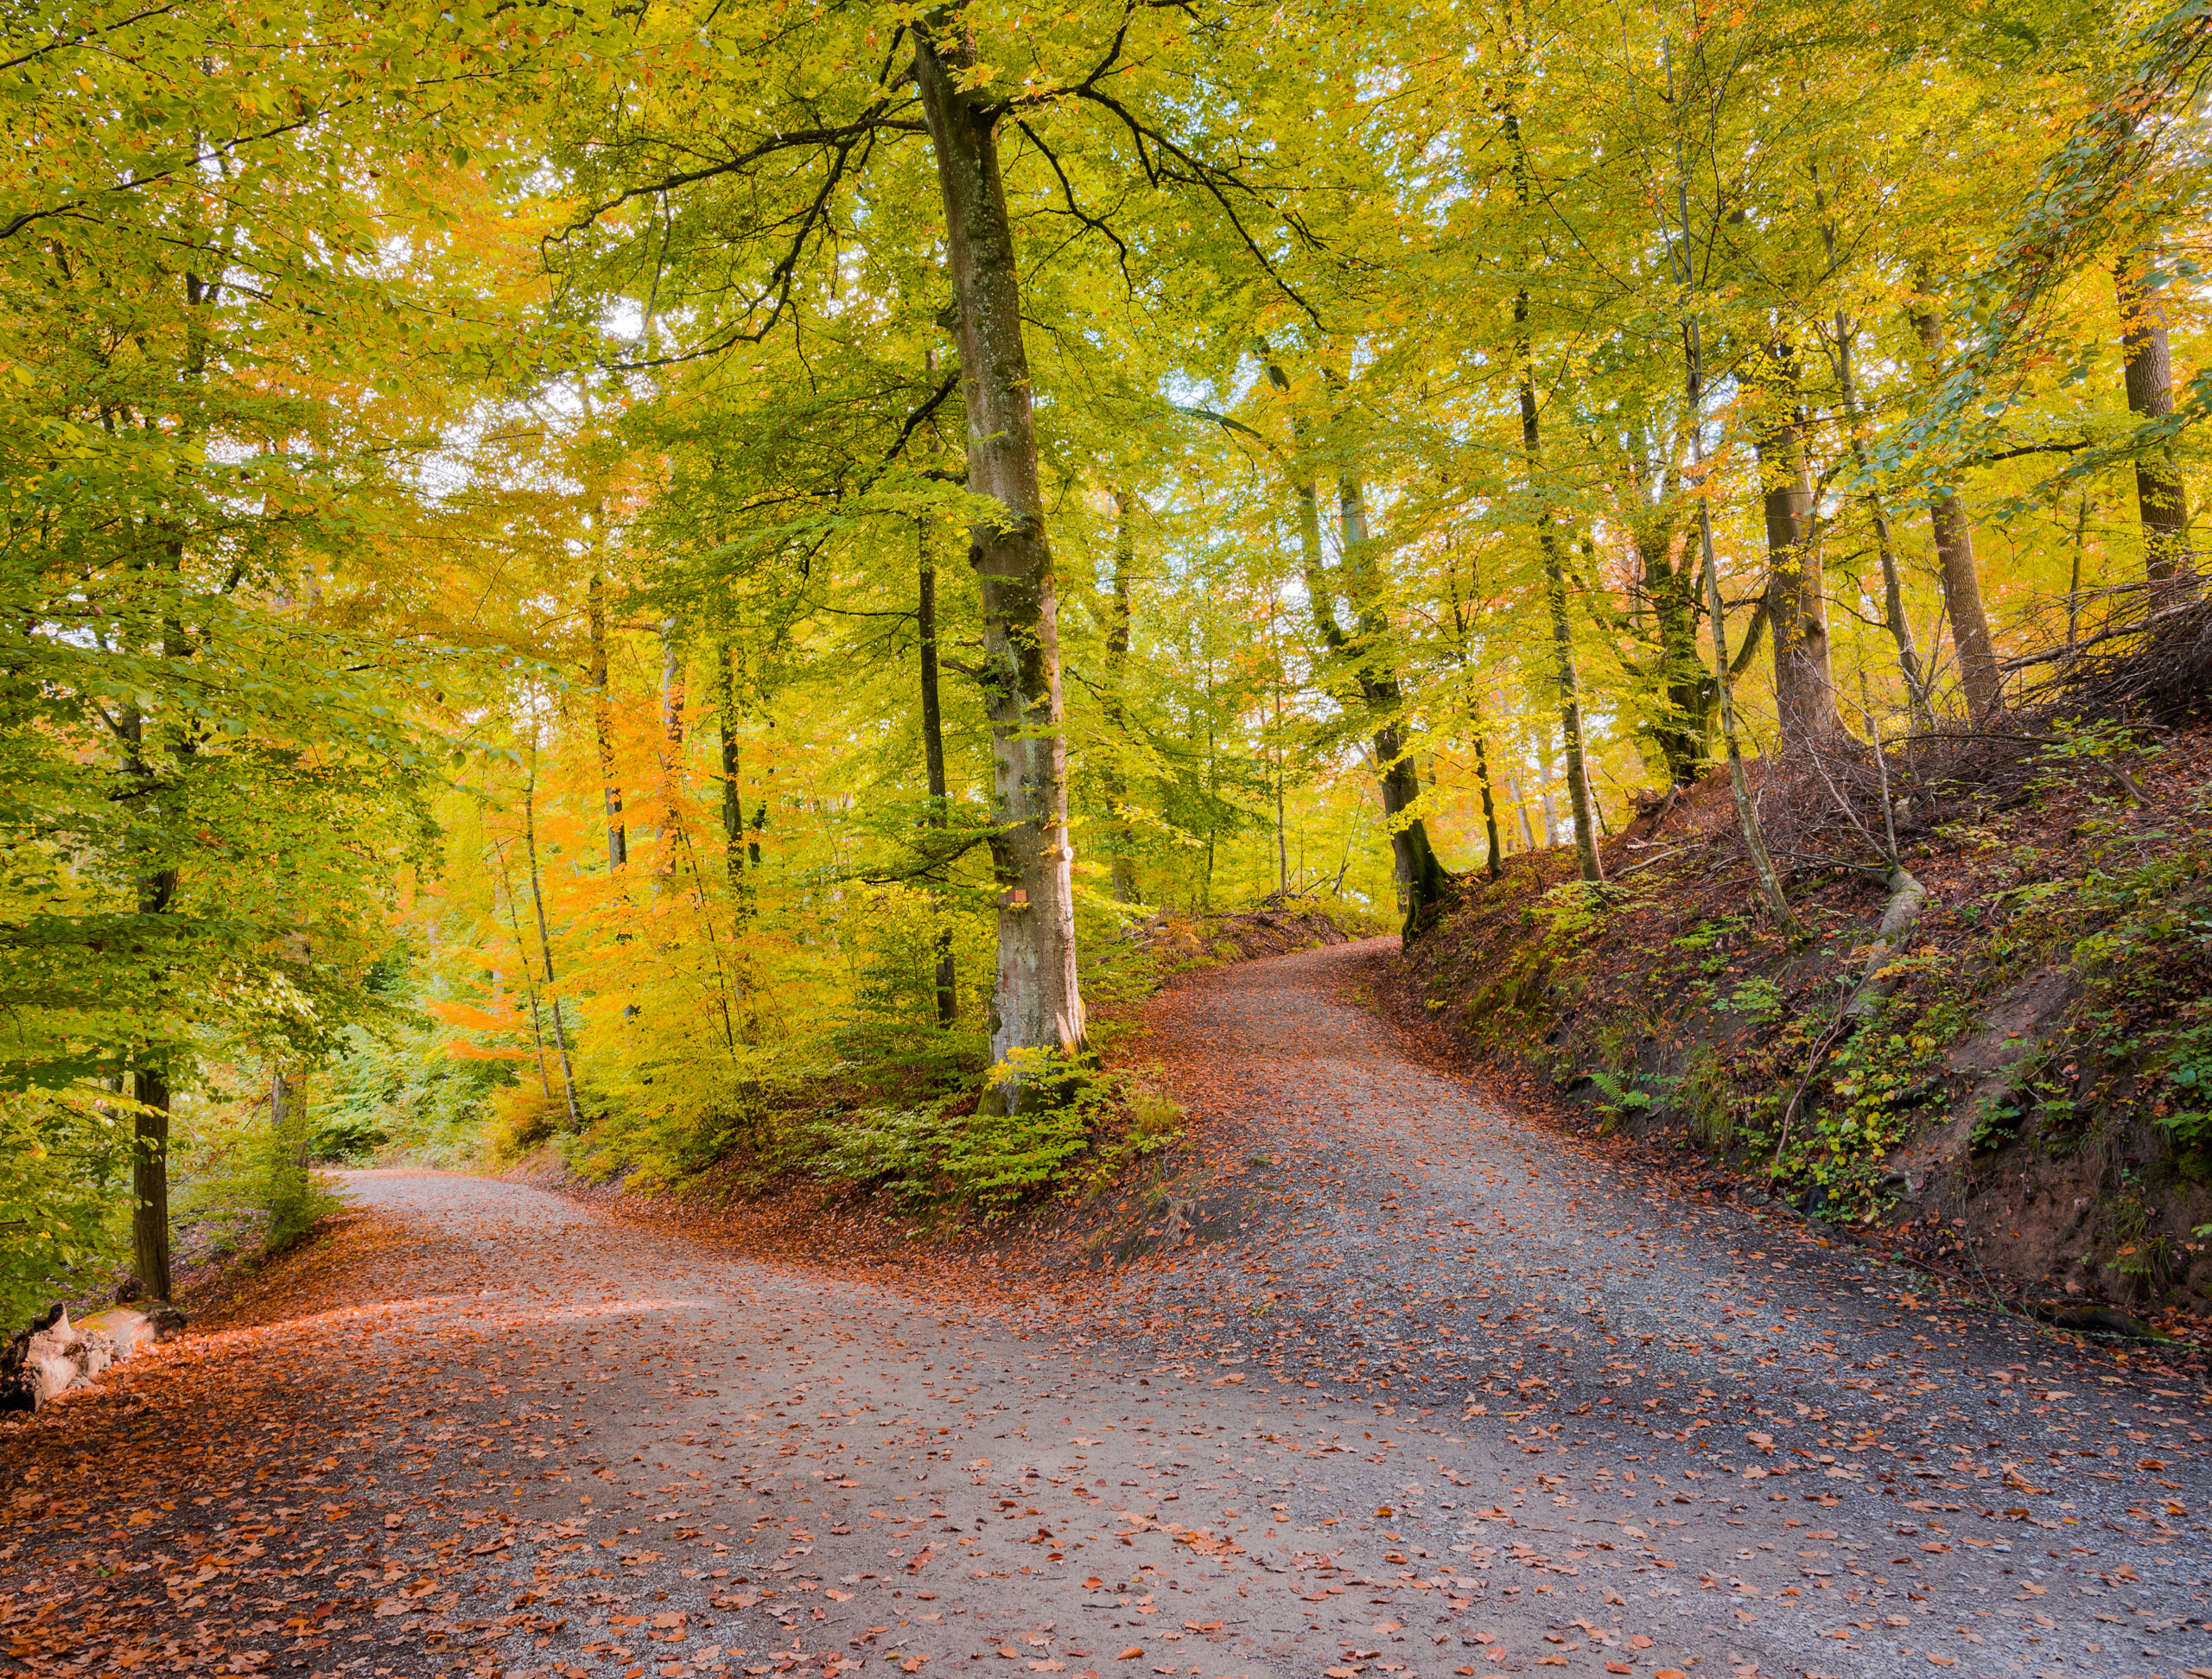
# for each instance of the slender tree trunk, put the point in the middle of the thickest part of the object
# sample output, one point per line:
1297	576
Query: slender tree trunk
2073	575
602	716
933	750
1037	1002
545	949
1570	697
1282	835
2161	499
1894	616
1893	612
1494	860
1117	679
155	891
1421	872
1548	540
1520	811
528	983
1796	597
1547	775
1978	672
671	746
1420	875
1769	882
733	801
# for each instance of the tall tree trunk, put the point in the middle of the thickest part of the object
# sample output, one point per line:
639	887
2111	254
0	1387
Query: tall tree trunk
1494	863
149	1181
1916	685
1520	811
1978	672
1796	596
732	765
1421	872
1548	540
1420	875
545	949
1117	678
1570	686
529	980
933	750
602	721
2161	497
1763	869
1683	731
1548	778
671	746
1893	613
1037	1002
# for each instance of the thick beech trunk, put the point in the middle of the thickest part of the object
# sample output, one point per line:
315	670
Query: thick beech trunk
1683	730
1978	673
1036	1003
2161	499
1796	596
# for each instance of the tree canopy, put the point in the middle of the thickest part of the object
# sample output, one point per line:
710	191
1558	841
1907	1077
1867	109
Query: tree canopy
579	564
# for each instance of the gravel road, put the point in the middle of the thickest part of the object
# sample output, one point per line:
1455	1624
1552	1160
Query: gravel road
1414	1386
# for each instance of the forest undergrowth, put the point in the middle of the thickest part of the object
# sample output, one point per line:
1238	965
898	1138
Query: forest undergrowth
2018	1094
882	1143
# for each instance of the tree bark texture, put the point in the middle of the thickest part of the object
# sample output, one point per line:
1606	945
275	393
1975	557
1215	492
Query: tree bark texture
2161	499
1036	1003
1683	730
1796	597
149	1181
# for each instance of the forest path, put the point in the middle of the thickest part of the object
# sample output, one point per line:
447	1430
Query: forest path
490	1428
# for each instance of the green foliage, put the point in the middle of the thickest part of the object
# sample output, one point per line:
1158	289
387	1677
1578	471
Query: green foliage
988	1162
1757	998
65	1170
248	1184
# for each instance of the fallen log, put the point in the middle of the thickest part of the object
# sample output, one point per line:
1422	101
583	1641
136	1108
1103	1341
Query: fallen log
54	1356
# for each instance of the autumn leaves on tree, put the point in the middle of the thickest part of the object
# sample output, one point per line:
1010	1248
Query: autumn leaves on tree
486	482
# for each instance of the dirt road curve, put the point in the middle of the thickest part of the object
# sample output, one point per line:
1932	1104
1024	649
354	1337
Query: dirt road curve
1430	1391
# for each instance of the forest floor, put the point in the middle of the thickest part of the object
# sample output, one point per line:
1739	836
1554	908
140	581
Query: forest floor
1400	1380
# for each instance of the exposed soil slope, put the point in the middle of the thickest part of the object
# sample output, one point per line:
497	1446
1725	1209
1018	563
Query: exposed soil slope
2029	1108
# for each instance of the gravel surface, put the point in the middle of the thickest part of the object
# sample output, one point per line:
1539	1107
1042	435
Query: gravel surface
1399	1382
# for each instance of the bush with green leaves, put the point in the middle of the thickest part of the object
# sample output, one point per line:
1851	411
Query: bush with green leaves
65	1176
957	1154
